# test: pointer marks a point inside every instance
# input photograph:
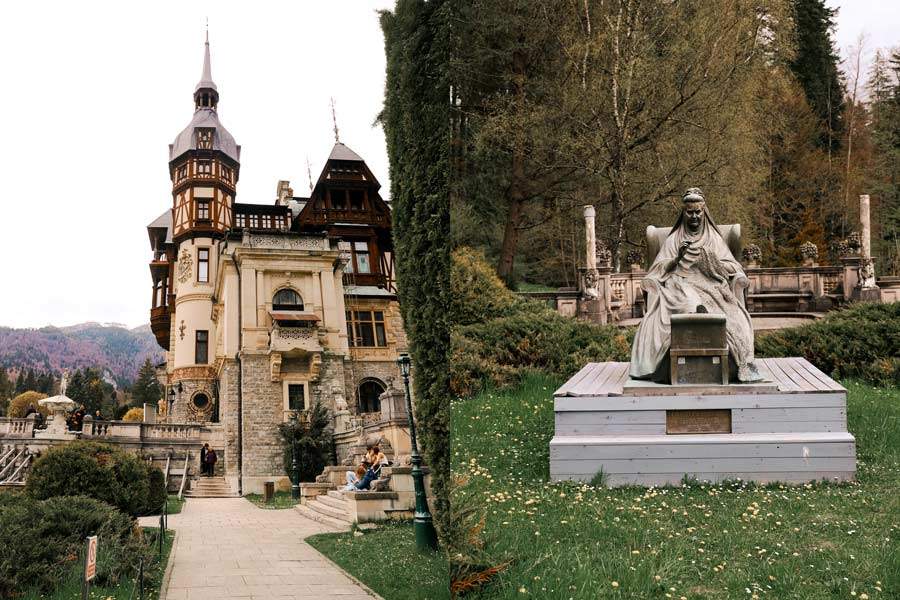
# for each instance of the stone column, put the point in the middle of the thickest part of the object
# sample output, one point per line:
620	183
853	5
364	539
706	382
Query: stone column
590	236
865	224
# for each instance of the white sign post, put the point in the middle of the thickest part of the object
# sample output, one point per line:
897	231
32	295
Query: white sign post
90	565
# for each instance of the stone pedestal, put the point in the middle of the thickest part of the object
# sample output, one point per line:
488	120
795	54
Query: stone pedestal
792	429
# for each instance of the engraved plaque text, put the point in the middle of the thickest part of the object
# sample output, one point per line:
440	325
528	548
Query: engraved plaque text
698	421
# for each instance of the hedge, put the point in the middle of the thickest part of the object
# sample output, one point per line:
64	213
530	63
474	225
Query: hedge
40	540
861	341
96	470
416	126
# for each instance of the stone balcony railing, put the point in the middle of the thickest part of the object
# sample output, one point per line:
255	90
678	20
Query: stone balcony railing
305	339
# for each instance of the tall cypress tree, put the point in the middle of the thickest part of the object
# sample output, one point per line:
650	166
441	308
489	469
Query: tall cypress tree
146	388
416	124
20	382
815	65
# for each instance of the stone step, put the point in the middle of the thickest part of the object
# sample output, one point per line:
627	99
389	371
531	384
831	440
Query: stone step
336	494
196	494
334	524
329	511
338	503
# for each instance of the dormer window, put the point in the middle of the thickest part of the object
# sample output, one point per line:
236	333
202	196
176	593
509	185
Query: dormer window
287	299
204	138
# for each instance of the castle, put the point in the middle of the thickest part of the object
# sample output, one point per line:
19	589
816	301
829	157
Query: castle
266	309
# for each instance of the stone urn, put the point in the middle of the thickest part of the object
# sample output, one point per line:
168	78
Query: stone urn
751	254
58	406
635	260
809	252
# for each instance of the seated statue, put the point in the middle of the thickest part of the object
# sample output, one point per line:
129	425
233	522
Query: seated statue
694	272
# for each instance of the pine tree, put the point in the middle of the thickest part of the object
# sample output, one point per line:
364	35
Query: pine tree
146	389
815	65
31	384
20	383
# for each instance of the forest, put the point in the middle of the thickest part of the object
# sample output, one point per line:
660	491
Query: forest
625	104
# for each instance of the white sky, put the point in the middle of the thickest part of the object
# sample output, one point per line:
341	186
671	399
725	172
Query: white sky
93	93
877	20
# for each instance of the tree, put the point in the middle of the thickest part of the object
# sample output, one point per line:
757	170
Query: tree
6	390
19	405
31	381
815	65
146	389
20	382
415	119
313	440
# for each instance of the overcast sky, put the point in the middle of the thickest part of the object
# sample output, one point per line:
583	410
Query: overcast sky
93	93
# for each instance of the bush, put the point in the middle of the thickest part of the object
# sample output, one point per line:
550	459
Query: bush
157	494
20	404
313	443
134	415
96	470
501	339
862	341
40	540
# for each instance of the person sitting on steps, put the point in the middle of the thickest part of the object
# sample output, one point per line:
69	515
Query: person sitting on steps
354	476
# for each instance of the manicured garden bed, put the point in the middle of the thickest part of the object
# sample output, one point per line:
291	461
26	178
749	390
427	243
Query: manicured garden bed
571	541
386	560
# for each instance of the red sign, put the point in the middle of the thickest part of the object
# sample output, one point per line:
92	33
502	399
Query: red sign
90	564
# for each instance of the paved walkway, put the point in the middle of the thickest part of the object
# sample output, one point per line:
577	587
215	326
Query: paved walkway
229	548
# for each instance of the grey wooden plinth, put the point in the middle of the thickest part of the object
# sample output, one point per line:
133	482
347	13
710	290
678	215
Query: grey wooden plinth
792	428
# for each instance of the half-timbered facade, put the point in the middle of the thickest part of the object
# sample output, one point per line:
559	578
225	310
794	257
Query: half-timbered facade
266	309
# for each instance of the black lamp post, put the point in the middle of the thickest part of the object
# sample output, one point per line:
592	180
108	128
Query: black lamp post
426	536
171	403
295	472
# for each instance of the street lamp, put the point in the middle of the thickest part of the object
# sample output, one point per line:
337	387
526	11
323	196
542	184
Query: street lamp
426	537
295	473
171	403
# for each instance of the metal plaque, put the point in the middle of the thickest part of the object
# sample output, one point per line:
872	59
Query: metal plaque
698	421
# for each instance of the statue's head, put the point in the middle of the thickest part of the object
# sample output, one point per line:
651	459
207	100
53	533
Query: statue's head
693	207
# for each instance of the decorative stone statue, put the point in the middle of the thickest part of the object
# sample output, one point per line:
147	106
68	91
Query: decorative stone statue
694	272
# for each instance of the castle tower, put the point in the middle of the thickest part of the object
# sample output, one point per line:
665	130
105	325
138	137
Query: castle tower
203	166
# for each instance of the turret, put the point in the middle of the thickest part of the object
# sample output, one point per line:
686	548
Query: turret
204	167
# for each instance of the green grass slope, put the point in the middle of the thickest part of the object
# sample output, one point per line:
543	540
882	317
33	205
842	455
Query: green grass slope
573	541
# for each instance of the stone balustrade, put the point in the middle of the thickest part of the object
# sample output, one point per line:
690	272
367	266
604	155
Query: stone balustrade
19	428
808	288
286	339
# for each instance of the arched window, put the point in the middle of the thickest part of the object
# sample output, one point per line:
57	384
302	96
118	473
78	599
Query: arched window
287	299
367	396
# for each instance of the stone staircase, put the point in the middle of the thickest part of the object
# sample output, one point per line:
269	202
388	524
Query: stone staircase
15	462
210	487
330	509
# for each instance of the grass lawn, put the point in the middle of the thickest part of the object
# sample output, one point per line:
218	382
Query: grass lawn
572	541
524	286
174	504
153	574
386	560
280	500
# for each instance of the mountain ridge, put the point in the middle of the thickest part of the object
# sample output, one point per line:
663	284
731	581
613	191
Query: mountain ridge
111	347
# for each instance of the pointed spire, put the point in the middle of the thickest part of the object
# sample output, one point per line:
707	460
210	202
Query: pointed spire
309	174
337	138
205	94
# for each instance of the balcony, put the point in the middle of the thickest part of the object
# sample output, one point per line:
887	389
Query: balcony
160	322
296	340
332	216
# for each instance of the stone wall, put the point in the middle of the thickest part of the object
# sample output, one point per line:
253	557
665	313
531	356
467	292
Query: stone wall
228	415
262	412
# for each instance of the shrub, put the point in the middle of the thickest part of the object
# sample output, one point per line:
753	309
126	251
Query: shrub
862	341
96	470
157	494
134	415
19	404
500	340
313	443
40	541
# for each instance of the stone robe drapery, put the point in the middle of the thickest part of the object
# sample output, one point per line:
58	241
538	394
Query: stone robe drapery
697	280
